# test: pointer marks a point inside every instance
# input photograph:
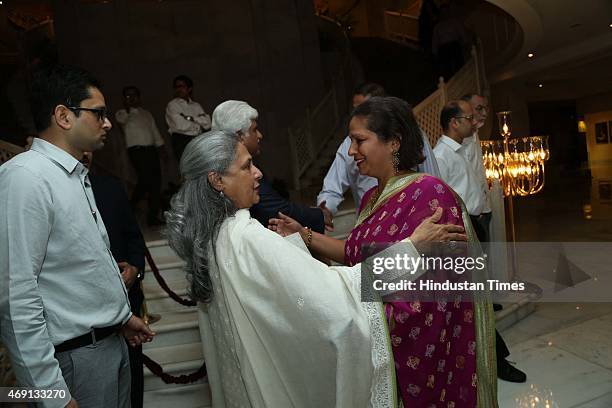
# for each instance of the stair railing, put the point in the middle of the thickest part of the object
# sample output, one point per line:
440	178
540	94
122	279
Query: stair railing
8	151
403	25
469	79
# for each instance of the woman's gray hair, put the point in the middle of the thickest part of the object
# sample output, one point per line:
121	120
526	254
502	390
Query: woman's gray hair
234	116
198	210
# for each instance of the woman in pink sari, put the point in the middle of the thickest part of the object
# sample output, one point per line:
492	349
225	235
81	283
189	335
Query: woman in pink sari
443	351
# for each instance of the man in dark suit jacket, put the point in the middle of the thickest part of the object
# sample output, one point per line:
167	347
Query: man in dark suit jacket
128	249
271	202
240	118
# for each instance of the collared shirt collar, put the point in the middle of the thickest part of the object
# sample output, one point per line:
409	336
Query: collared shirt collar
188	101
450	143
54	153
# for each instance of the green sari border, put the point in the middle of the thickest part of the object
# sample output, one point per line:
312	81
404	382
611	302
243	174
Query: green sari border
394	186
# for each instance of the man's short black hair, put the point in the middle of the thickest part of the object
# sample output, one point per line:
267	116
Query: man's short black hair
468	97
58	85
188	81
370	89
130	88
392	118
451	110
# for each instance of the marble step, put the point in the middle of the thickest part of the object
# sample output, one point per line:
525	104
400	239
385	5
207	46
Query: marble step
161	252
186	396
170	271
157	299
175	360
175	279
178	327
159	302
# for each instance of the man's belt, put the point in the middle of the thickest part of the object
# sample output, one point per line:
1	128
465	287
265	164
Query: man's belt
95	335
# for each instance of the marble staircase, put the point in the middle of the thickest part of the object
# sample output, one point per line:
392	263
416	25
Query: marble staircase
177	347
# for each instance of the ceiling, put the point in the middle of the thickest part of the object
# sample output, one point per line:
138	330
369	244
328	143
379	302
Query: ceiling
572	43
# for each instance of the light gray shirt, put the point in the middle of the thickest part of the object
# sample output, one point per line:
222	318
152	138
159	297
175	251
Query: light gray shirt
139	128
472	151
59	278
344	174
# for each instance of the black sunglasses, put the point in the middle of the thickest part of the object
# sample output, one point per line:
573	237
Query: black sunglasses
101	113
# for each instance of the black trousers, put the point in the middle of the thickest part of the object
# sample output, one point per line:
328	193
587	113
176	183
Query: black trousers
135	353
481	226
145	160
179	141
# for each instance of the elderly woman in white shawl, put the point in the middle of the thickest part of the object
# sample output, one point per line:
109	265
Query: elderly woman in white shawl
287	330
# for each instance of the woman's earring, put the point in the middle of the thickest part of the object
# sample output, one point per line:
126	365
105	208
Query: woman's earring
395	160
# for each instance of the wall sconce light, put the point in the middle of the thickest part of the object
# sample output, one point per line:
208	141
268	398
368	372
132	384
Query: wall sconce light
581	125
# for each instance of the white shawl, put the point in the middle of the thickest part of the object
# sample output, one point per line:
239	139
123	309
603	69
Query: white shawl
285	330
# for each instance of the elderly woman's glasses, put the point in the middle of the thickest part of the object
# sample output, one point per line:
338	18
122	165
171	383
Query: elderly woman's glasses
101	113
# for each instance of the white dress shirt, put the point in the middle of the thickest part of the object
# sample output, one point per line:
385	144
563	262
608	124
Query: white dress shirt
139	127
344	174
59	277
459	175
177	112
472	151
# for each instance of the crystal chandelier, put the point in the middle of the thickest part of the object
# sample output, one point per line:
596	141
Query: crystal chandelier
518	163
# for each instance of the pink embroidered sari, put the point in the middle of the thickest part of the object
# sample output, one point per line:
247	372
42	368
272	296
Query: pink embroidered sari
434	344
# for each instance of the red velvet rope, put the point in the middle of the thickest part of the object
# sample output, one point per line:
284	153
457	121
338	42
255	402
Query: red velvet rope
170	379
163	284
152	365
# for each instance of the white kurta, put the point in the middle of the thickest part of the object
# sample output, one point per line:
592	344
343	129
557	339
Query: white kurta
289	331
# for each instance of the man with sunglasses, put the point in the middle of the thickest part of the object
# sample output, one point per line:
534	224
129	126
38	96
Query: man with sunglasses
63	304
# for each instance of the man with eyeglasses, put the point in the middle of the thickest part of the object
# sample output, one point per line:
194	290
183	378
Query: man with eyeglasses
472	151
457	121
460	122
63	304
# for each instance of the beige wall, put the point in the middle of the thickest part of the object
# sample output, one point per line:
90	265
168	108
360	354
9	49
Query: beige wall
597	109
600	155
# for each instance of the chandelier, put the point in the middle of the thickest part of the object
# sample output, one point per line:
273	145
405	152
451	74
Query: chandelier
517	163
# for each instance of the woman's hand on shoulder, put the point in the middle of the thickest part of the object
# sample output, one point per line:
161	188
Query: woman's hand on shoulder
430	231
284	225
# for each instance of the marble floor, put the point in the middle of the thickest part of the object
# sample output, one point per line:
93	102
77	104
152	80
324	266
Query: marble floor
565	348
